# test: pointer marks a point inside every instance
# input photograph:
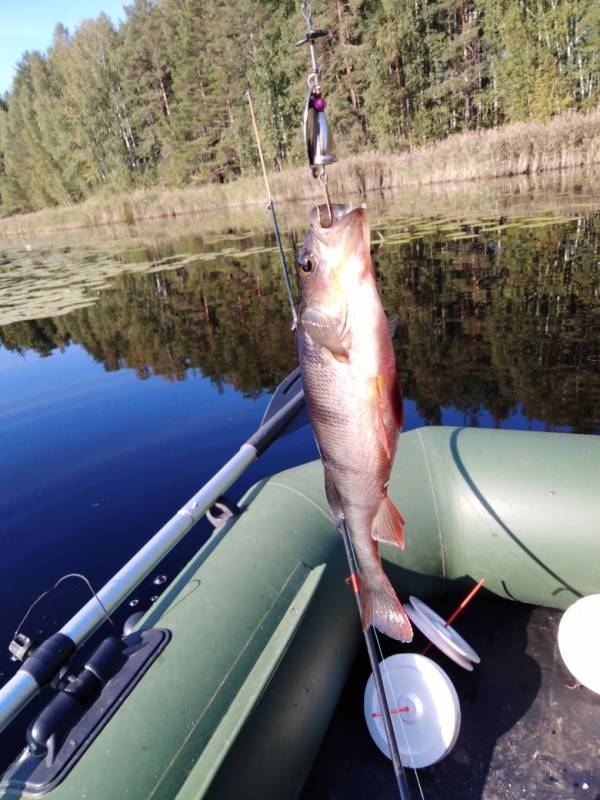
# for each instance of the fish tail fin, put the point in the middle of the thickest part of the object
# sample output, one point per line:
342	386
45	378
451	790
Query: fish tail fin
381	608
388	524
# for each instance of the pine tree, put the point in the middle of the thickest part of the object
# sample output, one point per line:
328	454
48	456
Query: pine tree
143	60
397	64
196	114
527	80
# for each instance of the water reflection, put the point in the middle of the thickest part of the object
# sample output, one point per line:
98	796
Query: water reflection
497	313
499	325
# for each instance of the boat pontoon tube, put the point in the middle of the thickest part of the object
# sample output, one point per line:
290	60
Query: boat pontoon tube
264	627
518	508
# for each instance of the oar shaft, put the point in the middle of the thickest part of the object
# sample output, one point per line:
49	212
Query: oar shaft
374	659
15	695
91	616
22	687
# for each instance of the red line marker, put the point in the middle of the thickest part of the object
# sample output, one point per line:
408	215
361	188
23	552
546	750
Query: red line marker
462	605
355	583
402	710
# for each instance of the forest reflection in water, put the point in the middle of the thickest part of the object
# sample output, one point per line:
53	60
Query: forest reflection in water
496	314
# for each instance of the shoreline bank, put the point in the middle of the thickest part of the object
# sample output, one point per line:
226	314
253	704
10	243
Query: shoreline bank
565	143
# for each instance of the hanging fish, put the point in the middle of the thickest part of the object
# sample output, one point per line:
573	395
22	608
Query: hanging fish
353	398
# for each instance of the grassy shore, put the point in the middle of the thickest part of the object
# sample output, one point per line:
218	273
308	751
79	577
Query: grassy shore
566	142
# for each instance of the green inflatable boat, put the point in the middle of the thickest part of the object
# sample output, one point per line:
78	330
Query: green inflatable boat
227	685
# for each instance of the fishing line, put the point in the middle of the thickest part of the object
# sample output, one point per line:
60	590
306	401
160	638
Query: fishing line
52	588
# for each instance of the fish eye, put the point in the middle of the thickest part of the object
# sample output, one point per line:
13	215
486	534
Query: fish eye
306	266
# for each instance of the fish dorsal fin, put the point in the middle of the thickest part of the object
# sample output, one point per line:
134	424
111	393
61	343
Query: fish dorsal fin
393	321
388	525
333	498
327	332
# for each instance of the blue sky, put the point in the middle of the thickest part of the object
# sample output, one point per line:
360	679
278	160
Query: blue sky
28	25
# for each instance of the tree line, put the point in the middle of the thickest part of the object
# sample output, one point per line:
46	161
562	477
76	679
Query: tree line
158	100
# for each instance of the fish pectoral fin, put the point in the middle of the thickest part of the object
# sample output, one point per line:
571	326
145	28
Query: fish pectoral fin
388	525
328	332
333	498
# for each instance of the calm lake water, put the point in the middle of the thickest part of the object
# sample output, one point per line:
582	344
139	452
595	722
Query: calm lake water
134	362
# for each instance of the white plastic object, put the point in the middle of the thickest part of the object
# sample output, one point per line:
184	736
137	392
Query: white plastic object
579	641
431	633
441	635
424	708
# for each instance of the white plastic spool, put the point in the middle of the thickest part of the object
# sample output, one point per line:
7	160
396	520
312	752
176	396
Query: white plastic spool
427	730
443	636
579	641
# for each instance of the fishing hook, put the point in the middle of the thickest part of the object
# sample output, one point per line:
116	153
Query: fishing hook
324	185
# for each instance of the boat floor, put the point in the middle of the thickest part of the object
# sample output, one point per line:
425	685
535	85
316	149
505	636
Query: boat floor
528	729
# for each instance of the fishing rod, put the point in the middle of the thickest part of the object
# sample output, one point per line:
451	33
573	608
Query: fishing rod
371	644
271	206
318	143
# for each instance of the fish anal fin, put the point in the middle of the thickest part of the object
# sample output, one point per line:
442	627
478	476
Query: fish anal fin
388	525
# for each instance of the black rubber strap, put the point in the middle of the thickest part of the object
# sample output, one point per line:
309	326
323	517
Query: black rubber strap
48	658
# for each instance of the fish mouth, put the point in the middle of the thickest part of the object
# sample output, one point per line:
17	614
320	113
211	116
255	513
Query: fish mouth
343	217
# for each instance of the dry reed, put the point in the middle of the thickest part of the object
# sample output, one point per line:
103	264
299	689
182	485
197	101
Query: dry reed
568	141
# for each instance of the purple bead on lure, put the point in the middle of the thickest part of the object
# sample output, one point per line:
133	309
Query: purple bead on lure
318	102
